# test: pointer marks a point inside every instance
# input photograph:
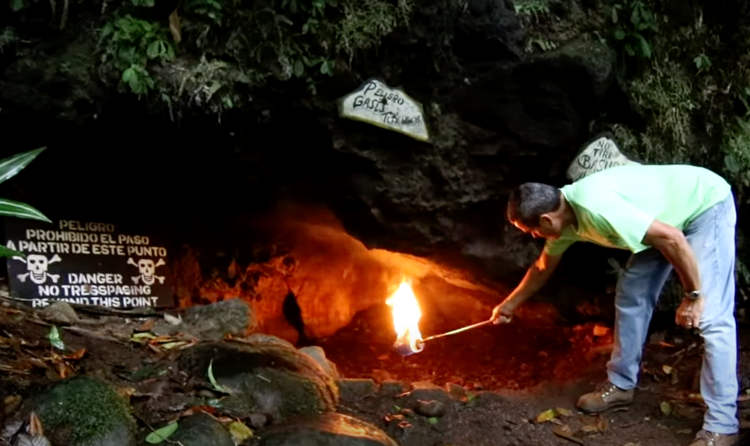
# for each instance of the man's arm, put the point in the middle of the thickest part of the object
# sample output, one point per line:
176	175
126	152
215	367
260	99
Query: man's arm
671	242
536	276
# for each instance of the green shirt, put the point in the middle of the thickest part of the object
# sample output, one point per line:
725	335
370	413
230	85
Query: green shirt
616	206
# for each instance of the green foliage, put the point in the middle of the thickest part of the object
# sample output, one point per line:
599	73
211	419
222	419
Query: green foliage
543	44
365	24
144	3
161	434
736	150
54	338
9	167
131	45
702	62
664	93
528	9
7	37
17	5
632	32
212	10
286	40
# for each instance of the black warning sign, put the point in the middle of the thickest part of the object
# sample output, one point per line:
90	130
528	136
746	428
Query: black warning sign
86	263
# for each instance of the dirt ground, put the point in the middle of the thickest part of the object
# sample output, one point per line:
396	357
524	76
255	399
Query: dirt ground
532	365
505	379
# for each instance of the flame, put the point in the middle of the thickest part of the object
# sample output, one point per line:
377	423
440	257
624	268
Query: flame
406	315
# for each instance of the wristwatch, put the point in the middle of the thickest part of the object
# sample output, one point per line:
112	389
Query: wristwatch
692	295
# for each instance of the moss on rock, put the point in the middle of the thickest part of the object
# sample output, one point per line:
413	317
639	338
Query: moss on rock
85	411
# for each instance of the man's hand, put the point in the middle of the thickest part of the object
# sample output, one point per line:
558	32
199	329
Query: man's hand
502	313
689	313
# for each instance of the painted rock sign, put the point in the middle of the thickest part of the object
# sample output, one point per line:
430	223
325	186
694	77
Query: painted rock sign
599	154
86	263
376	103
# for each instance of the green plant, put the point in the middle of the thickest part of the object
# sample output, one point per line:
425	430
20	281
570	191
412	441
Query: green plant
736	149
528	9
702	62
543	44
7	37
210	9
631	34
9	167
131	45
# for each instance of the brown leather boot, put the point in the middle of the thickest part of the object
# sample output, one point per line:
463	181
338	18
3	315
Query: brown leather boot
605	397
706	438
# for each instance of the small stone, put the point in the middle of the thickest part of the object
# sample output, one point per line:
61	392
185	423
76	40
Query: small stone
430	408
353	389
391	387
60	312
257	420
455	390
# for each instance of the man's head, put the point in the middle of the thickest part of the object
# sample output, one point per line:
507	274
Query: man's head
537	209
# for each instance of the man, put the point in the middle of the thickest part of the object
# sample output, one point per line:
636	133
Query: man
670	217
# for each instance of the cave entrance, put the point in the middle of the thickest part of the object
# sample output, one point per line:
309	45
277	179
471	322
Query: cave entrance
318	285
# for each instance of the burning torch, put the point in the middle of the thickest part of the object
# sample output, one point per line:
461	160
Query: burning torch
406	315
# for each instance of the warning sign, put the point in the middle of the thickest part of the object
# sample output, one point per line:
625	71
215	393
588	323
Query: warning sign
86	263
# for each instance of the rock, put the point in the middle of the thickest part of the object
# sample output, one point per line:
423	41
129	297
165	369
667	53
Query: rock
201	430
84	411
319	355
212	322
60	313
392	387
257	420
330	429
455	390
355	389
430	408
265	375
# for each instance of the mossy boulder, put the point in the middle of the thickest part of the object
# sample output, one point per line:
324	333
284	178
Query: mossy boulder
84	411
200	430
264	375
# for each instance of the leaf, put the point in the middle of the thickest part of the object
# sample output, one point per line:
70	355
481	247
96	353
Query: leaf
666	369
665	408
211	378
10	166
619	34
432	420
54	338
240	432
299	68
16	5
546	415
154	49
645	47
7	252
325	68
162	433
20	210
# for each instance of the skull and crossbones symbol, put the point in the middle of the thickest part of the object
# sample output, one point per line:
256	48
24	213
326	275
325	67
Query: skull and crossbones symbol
147	269
37	268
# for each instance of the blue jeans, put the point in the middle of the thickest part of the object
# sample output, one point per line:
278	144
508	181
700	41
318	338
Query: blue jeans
711	236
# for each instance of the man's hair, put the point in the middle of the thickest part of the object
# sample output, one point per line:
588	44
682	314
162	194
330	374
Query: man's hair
529	201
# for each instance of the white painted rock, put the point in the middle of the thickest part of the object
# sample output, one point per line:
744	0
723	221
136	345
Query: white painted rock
376	103
599	154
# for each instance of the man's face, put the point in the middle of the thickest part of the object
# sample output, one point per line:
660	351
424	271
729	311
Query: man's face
549	227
